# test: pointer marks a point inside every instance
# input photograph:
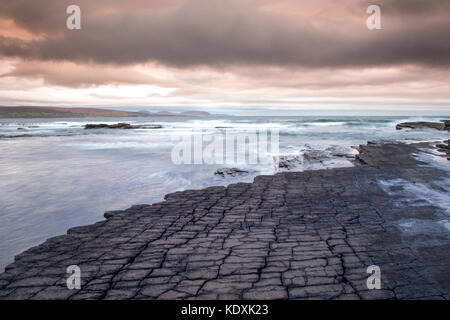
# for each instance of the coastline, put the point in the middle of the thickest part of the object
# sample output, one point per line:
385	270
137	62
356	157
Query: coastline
292	235
42	112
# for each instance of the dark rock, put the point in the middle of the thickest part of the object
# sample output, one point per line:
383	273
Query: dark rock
422	125
106	126
341	155
230	172
122	126
443	146
109	214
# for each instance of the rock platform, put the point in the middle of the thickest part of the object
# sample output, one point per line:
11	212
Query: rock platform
293	235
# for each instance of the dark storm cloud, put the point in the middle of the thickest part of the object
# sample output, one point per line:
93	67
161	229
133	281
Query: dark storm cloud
417	7
49	15
220	33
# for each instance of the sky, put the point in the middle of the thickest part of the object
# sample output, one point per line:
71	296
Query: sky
262	54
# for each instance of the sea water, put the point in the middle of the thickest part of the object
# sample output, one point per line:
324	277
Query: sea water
55	175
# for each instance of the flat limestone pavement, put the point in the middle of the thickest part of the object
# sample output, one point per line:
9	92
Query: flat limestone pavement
293	235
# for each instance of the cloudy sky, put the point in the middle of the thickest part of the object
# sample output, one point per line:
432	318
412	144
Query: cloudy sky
226	53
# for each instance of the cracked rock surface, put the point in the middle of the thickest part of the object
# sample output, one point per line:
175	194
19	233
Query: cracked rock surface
293	235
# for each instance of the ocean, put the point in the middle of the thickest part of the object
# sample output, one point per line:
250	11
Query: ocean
55	175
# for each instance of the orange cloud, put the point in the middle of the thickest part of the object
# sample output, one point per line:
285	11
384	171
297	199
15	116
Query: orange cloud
9	29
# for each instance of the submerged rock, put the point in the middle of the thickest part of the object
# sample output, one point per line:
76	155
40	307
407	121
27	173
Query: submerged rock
444	148
4	136
444	125
288	162
148	126
122	126
314	156
230	172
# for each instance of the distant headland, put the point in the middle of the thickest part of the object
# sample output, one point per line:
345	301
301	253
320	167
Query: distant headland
60	112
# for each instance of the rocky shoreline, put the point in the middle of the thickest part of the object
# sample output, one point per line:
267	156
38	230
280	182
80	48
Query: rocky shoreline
293	235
